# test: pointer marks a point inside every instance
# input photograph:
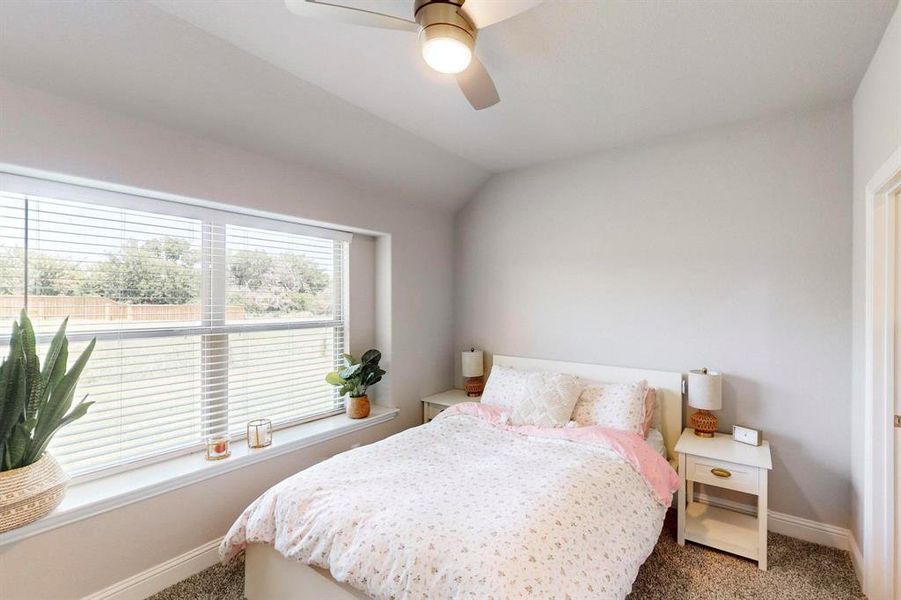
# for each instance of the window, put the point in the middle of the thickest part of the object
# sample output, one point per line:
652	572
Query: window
204	318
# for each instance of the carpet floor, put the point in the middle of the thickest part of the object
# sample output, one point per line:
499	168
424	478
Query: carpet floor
797	571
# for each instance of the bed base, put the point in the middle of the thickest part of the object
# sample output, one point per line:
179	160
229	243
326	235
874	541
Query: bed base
270	576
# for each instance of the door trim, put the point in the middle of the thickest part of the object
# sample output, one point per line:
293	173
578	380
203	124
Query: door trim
880	379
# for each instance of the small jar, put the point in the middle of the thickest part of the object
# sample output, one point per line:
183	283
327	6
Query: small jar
218	447
259	433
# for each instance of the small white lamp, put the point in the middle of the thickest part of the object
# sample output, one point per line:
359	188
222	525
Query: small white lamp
705	392
473	371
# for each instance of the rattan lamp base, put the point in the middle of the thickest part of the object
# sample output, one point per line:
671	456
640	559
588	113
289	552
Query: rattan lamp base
704	423
474	386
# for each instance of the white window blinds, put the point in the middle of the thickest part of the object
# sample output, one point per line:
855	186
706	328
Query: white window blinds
204	319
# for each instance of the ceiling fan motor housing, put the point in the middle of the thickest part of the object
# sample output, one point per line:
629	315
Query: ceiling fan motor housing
441	19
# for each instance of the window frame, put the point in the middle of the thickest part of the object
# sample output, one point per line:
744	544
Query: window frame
213	218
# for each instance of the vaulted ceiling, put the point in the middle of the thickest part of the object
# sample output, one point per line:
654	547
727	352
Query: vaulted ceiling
574	77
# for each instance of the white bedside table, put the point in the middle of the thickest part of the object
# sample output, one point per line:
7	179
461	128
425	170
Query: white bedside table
719	461
432	405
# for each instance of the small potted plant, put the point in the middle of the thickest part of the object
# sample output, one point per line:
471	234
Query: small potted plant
355	378
35	403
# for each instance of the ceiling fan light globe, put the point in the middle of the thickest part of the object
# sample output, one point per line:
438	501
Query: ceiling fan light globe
446	55
446	48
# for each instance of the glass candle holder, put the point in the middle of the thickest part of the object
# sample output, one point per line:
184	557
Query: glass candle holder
259	433
218	447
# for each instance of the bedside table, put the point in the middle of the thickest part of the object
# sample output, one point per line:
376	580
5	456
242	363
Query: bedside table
722	462
432	405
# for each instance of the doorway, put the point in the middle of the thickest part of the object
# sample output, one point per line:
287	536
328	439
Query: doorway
897	412
882	396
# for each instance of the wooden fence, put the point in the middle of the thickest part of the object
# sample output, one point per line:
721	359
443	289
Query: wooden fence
94	308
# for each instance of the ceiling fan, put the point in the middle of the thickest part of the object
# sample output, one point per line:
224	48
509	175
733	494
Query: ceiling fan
447	32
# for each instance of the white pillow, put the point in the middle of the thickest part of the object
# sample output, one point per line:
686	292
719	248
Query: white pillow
616	405
533	397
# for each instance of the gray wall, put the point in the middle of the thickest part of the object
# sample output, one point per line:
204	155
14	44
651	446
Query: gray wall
729	248
411	319
877	133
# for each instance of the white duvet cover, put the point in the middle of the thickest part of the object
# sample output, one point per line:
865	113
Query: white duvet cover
464	508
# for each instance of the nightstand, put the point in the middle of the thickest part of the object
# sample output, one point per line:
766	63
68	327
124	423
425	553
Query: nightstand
432	405
722	462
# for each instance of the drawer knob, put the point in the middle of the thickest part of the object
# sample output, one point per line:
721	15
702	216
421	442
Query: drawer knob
721	473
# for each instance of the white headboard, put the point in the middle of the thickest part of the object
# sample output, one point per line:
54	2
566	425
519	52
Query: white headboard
668	385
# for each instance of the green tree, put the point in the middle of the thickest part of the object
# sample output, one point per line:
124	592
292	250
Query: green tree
157	271
266	283
53	276
48	275
12	272
250	269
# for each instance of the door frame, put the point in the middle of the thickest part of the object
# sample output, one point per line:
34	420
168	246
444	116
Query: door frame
881	383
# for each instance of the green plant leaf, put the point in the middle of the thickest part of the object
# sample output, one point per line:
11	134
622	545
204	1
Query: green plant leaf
350	359
33	381
58	346
350	371
61	396
7	373
334	379
28	343
37	449
14	390
56	373
372	356
16	404
16	446
54	365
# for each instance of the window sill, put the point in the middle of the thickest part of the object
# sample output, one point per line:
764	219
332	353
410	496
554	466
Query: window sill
84	500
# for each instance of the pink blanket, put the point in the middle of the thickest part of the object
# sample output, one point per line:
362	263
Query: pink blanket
657	472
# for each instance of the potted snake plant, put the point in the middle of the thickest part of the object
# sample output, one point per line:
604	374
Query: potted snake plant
354	380
35	402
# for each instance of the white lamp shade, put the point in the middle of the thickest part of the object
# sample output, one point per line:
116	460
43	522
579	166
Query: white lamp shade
473	365
705	389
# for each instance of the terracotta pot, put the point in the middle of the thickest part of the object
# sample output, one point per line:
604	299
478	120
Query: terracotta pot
29	493
357	408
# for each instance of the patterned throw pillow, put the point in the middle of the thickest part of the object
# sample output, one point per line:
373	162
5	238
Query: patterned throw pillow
533	397
616	405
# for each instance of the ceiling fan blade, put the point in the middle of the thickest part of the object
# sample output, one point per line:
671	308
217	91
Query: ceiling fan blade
483	13
334	11
477	85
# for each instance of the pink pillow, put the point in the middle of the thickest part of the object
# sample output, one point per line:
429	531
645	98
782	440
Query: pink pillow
650	407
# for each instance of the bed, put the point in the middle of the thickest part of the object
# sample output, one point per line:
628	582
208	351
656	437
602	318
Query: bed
444	511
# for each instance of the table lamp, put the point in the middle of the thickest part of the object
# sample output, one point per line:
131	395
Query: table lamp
705	392
473	371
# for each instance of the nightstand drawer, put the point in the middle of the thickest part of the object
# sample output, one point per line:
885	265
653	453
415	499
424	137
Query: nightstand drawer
740	478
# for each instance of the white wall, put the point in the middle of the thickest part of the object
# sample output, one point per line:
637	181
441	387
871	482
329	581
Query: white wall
728	248
412	318
877	133
362	301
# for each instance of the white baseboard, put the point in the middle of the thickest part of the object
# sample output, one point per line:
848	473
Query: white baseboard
172	571
809	531
158	578
856	560
790	525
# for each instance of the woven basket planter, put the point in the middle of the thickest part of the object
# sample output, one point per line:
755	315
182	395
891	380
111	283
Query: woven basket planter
29	493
